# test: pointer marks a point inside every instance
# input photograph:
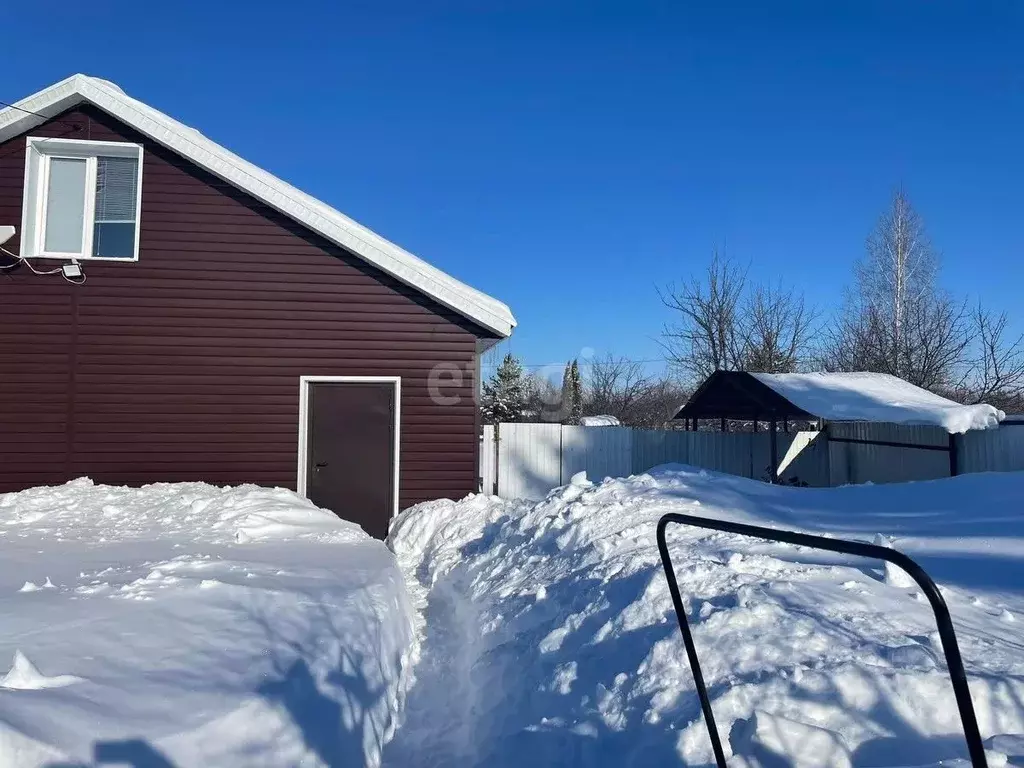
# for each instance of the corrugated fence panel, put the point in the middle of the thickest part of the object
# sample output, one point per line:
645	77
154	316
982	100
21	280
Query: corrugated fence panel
991	450
599	451
860	463
529	460
487	460
803	458
652	448
534	458
722	451
760	456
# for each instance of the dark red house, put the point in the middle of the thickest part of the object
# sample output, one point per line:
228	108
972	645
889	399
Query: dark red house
170	312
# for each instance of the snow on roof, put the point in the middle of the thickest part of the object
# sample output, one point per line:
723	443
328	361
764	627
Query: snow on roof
877	397
599	421
305	209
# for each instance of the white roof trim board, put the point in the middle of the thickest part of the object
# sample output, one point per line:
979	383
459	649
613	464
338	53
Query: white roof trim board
877	397
305	209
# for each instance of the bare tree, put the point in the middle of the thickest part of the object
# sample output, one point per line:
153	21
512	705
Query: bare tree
900	270
618	387
724	323
543	399
896	319
996	373
937	336
614	387
662	400
706	336
856	340
777	327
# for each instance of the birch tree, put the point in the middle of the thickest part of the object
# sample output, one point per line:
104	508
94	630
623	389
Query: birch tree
897	279
897	319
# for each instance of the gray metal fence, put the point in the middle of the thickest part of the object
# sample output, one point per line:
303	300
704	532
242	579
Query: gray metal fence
528	460
863	462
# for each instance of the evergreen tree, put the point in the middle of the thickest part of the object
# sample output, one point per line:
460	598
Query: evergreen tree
567	401
572	393
576	387
504	396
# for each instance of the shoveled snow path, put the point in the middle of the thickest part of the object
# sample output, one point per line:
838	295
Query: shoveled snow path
561	614
444	725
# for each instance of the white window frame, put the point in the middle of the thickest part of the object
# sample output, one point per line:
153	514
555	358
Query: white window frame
39	151
305	383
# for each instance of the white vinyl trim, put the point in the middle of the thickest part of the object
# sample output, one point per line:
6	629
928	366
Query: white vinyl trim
39	152
304	416
317	216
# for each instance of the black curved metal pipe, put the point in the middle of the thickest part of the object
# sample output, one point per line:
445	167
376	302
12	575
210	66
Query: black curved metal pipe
954	662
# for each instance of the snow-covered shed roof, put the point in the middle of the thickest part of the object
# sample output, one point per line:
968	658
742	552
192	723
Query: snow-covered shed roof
319	217
599	421
876	397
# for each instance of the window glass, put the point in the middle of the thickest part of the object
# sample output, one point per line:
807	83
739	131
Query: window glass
116	195
81	199
65	205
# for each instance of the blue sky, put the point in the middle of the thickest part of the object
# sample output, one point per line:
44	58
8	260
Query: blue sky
570	157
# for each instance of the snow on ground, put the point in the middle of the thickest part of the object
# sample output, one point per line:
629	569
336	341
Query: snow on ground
180	625
549	635
188	625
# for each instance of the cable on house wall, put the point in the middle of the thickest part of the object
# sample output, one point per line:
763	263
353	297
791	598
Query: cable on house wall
43	272
16	257
28	264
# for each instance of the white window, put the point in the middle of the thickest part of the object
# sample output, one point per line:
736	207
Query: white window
82	199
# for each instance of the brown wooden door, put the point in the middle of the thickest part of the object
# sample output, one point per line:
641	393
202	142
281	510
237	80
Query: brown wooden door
350	455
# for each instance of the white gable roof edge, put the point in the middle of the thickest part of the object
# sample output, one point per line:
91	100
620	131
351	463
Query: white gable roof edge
303	208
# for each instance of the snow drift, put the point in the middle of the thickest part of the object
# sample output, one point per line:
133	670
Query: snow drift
550	639
192	625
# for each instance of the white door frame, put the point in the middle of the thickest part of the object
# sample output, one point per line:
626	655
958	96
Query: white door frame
304	415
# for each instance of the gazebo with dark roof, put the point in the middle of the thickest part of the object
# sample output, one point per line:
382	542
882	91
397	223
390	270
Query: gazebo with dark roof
738	395
861	396
832	397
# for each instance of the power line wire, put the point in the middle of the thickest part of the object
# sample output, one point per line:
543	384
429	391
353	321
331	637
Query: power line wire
37	114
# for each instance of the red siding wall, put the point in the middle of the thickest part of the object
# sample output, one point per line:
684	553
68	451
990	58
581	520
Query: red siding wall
186	364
